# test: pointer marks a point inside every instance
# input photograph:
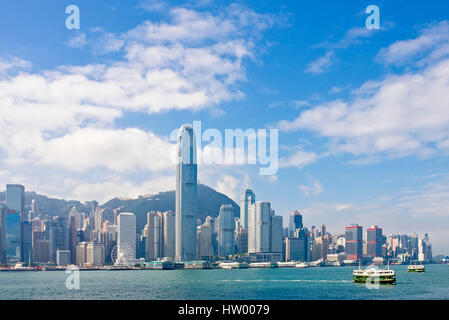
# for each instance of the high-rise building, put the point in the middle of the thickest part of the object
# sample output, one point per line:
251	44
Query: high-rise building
95	254
226	227
204	241
27	242
276	234
247	198
154	235
15	202
259	215
3	211
186	195
72	232
413	246
294	222
354	242
81	253
243	241
98	218
424	249
168	218
212	223
126	235
320	246
374	241
62	257
59	236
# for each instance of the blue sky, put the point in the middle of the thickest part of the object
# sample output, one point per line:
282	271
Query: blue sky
362	114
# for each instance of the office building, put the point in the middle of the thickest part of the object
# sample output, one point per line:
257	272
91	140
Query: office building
247	198
294	222
169	222
62	257
72	234
186	195
15	203
226	226
27	242
276	234
95	254
81	253
3	211
424	249
42	251
374	241
259	215
126	235
354	242
204	242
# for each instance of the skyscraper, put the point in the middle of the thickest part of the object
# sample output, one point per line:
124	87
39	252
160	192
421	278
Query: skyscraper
154	236
204	241
168	218
186	195
3	211
276	234
354	242
374	241
248	198
72	234
27	242
15	202
226	227
126	235
259	227
294	223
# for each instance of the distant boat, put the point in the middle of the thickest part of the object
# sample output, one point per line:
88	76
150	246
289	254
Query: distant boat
381	276
416	268
301	265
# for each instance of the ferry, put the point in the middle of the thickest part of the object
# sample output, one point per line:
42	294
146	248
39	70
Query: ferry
416	268
381	276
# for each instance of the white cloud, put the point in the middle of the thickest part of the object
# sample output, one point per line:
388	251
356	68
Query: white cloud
130	149
15	63
352	37
398	116
314	188
77	41
431	45
63	120
321	64
230	186
299	159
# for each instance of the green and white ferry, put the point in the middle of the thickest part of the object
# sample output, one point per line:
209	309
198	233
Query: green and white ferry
374	275
416	268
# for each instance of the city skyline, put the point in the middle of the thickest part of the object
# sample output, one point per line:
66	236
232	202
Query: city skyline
91	239
362	114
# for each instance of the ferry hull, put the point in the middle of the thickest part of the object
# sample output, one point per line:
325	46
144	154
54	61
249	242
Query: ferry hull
415	270
380	280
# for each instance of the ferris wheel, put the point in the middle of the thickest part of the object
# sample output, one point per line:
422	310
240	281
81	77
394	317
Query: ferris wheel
122	254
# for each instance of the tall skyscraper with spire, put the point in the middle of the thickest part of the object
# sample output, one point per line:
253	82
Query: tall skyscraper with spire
186	195
247	198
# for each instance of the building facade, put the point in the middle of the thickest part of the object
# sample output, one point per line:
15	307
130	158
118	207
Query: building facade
186	195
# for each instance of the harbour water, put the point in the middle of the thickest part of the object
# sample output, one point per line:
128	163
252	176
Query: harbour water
281	283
